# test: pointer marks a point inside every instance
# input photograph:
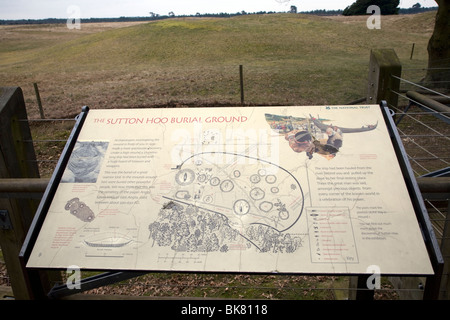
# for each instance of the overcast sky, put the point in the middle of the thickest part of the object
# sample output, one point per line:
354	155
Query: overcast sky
40	9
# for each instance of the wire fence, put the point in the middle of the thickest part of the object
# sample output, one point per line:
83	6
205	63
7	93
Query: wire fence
425	133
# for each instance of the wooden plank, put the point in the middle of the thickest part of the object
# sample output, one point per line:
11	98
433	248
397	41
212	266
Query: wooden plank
23	185
384	63
16	161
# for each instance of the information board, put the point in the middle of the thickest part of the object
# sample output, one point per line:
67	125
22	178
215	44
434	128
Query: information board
314	189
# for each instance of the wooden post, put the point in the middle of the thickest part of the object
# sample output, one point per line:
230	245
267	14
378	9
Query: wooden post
241	78
16	161
38	98
412	51
384	64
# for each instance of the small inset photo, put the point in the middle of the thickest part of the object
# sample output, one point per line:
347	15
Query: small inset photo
85	162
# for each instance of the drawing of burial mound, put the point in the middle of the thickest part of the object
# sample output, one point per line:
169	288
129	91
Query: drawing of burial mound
246	191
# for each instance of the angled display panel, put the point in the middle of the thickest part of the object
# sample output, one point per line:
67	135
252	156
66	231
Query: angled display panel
314	189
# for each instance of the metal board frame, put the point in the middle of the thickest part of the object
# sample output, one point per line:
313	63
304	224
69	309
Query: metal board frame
431	291
431	288
31	276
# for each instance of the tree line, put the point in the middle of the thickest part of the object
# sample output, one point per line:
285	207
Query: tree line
387	7
152	16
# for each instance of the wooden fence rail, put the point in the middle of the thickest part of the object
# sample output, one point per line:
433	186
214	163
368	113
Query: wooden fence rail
17	214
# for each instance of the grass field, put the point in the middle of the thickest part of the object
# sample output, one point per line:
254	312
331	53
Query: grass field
288	60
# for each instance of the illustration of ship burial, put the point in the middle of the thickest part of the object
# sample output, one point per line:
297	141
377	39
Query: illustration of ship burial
311	135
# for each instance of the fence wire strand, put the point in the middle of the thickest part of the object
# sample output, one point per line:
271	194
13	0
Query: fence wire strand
421	87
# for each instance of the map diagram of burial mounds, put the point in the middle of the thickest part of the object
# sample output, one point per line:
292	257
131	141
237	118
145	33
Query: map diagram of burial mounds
232	206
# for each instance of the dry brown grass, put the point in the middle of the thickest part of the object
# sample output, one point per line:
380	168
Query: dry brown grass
288	60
